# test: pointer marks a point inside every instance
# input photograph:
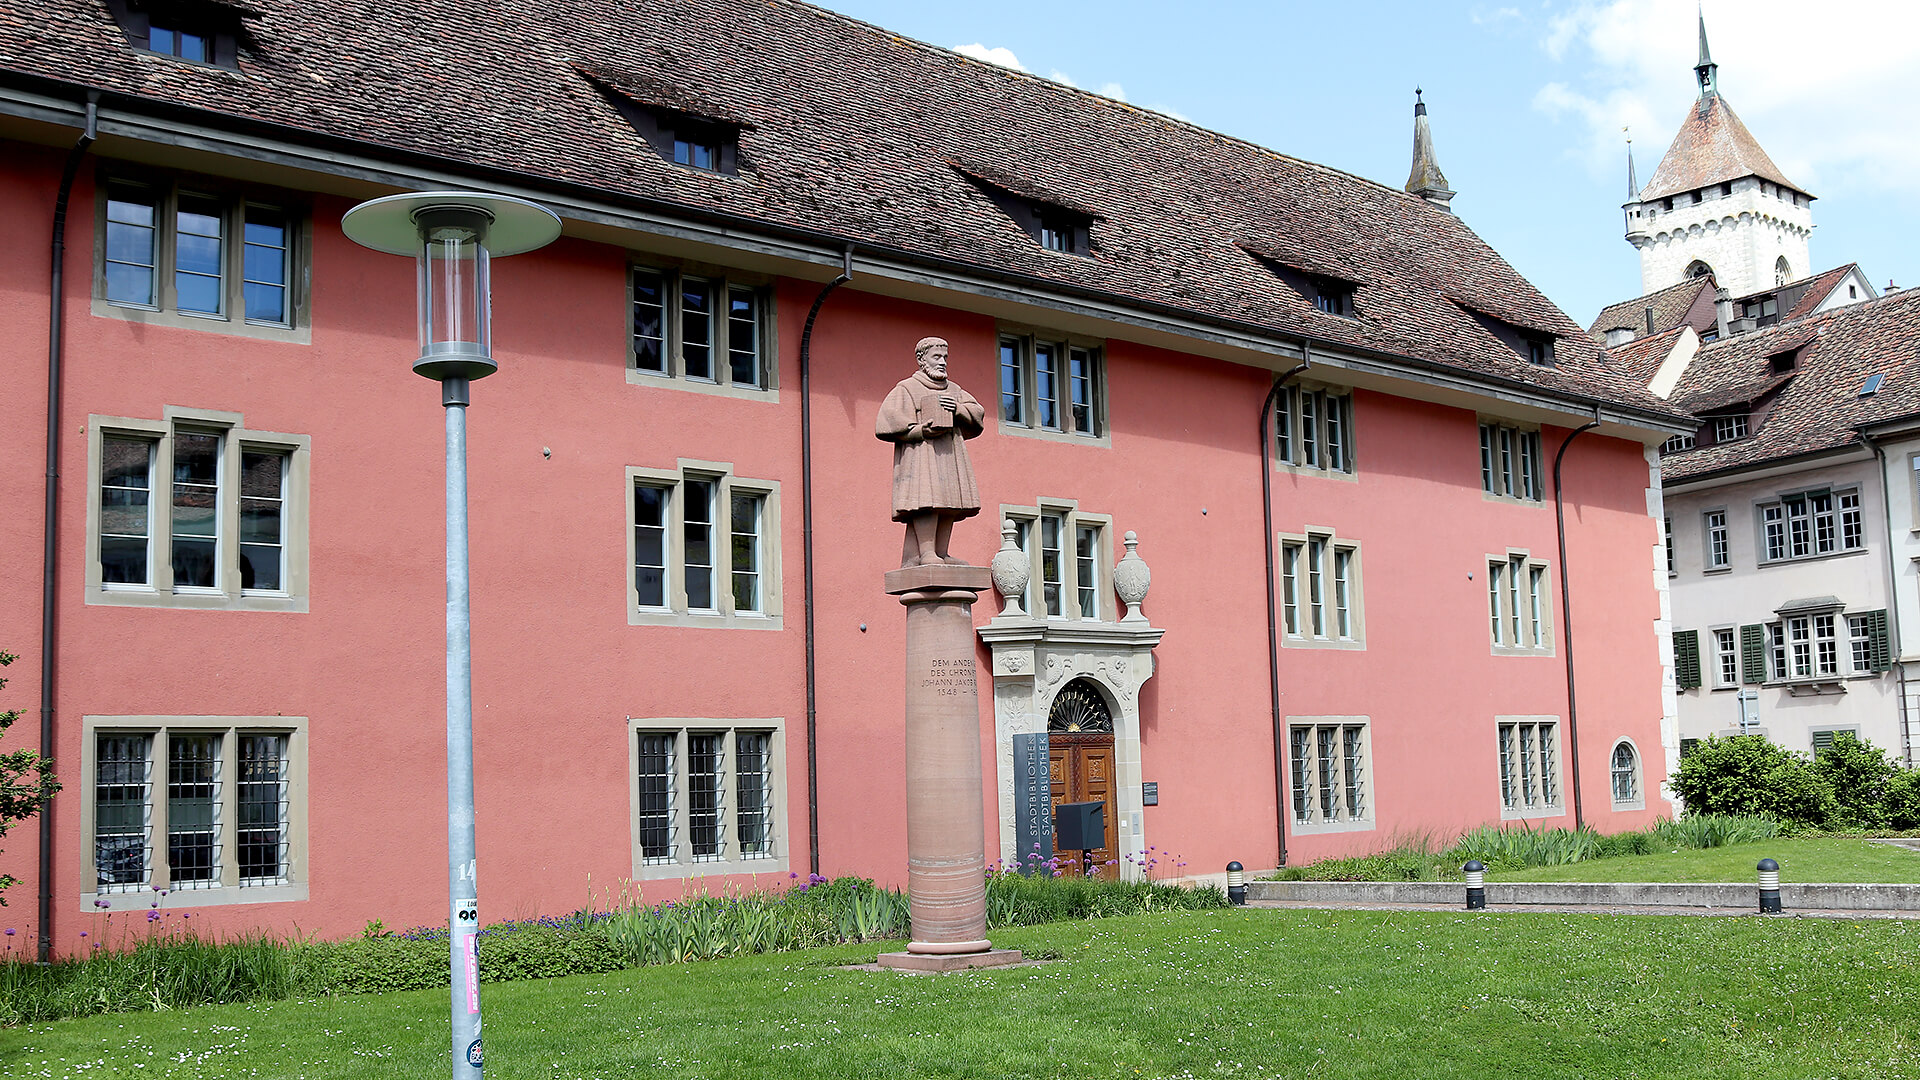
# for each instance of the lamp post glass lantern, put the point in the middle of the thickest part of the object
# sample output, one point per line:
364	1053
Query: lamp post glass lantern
452	235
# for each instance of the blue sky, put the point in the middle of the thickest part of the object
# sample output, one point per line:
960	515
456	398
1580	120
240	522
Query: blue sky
1527	102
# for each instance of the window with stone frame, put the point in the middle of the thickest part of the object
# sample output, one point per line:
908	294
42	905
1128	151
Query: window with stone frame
1810	524
1624	773
201	253
703	549
1051	385
1529	761
1510	462
708	797
1718	552
1519	605
196	511
700	331
1069	558
1320	591
1327	762
1313	429
211	809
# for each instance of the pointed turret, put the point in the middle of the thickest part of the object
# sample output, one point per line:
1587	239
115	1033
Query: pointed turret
1426	180
1633	186
1706	70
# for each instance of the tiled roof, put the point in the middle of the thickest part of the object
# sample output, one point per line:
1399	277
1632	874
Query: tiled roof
1711	147
1670	306
1818	405
1806	294
849	131
1640	358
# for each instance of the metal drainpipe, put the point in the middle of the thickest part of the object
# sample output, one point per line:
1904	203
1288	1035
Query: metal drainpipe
1273	627
806	551
49	576
1566	612
1893	607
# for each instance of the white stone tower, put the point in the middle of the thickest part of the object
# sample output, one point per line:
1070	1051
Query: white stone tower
1717	204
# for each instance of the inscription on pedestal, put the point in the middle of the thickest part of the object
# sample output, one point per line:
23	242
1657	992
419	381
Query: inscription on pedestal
950	678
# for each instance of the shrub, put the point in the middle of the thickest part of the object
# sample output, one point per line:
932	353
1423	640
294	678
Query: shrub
1518	848
1747	774
1903	799
1859	774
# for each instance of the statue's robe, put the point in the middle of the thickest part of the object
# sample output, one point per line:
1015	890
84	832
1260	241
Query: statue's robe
930	472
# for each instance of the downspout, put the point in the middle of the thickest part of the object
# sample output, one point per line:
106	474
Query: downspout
50	564
1273	626
1893	608
1566	612
806	553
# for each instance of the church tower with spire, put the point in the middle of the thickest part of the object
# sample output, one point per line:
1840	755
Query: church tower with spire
1426	180
1718	204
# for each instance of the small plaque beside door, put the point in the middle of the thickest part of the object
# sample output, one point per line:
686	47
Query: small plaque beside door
1150	793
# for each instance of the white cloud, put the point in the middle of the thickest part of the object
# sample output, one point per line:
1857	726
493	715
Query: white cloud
1165	111
1818	89
999	54
1061	77
1114	90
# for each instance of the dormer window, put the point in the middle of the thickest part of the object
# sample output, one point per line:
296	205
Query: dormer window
1533	344
181	43
684	127
1728	428
698	146
196	31
1333	296
1050	219
1540	351
1782	362
1060	230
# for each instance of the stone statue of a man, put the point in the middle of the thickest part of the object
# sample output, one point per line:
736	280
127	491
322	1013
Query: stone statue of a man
928	419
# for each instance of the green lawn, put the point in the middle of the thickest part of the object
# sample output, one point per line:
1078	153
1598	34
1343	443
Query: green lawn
1803	860
1230	994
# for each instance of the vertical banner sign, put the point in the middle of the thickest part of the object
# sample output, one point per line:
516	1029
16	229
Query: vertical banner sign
466	941
1032	803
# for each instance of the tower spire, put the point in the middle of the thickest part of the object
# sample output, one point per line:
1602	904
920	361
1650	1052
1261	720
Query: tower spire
1426	180
1633	185
1706	70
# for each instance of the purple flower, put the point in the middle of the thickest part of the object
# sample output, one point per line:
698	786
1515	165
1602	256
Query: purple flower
153	916
99	903
83	933
186	914
9	931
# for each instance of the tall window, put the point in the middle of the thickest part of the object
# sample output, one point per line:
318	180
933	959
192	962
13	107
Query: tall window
1529	766
705	798
1327	762
1518	605
1716	531
1313	429
204	255
196	805
1809	524
1726	654
1320	590
701	331
193	516
1510	462
702	549
1625	774
1051	385
1069	561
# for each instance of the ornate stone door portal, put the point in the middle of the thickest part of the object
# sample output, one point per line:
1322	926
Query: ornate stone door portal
1080	752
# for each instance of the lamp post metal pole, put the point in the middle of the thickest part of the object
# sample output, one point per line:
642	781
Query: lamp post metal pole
463	884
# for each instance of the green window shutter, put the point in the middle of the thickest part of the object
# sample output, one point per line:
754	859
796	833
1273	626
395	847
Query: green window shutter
1753	654
1881	650
1686	659
1822	740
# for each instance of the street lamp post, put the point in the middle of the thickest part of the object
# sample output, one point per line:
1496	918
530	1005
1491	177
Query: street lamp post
451	235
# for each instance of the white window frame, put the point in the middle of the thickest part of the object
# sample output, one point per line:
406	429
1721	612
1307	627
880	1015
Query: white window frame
1860	640
1330	811
1076	360
683	861
1632	774
676	611
1512	466
1313	431
235	202
1718	551
1729	428
724	283
229	887
1539	793
1028	523
229	591
1795	525
1321	591
1806	647
1726	657
1519	604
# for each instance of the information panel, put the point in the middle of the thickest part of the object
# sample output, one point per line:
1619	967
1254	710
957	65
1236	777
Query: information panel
1032	803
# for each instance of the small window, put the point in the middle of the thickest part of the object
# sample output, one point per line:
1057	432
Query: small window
1333	296
196	33
1314	429
1715	522
1510	463
1320	592
1051	386
1540	351
698	145
1625	772
700	332
1677	444
1728	428
1872	385
1782	362
1726	658
1696	268
703	550
1327	763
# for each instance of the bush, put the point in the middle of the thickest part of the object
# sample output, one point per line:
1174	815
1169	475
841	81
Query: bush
1859	774
1747	774
1400	864
1518	848
1903	800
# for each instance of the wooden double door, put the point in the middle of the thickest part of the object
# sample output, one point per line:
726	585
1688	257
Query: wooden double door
1080	769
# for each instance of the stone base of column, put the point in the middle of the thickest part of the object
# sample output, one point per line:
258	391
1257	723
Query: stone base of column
910	961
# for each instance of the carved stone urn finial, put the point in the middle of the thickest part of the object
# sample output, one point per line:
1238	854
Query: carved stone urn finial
1131	578
1010	572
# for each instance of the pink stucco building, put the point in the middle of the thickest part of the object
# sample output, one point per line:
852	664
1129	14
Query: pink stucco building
686	672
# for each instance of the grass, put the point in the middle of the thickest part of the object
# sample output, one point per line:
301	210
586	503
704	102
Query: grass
1239	993
1803	859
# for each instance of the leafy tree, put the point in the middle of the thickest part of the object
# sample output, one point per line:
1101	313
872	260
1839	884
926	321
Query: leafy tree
26	780
1860	774
1746	774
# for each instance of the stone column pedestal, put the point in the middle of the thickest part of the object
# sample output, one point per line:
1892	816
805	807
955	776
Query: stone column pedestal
946	814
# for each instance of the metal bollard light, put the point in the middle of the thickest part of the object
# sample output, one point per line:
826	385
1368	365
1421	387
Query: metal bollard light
1236	884
1476	884
1769	887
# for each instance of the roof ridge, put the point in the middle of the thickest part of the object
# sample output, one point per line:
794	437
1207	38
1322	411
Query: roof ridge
1022	73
